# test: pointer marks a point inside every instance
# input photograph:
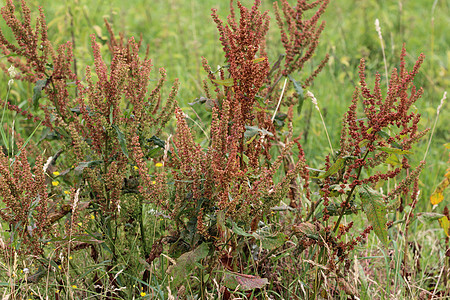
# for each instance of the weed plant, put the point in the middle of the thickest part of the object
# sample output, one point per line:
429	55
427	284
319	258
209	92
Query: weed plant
116	192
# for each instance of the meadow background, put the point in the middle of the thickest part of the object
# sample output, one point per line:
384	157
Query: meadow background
179	33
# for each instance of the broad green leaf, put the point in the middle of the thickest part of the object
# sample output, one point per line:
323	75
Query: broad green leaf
40	84
445	224
375	210
186	263
393	160
299	90
273	241
122	142
394	150
225	82
234	280
338	165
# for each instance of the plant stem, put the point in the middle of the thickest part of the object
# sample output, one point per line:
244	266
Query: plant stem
344	205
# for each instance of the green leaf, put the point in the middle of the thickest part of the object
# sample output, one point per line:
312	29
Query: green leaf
186	263
225	82
251	131
299	90
429	216
122	142
338	165
234	280
239	231
273	241
393	160
394	150
40	84
375	210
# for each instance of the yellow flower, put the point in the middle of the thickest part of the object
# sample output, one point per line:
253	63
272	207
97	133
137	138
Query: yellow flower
153	182
143	294
57	291
80	224
135	167
55	183
158	165
56	173
66	192
59	267
74	286
92	217
70	257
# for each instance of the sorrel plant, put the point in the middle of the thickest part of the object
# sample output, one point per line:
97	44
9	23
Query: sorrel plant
109	161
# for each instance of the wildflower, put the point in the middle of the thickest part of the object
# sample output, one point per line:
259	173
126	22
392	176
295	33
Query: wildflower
74	286
12	72
59	267
158	165
153	182
136	168
92	217
56	173
10	82
70	257
55	183
143	294
66	192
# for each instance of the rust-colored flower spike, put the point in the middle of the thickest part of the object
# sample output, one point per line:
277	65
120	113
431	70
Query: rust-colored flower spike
241	43
367	139
300	36
32	43
23	191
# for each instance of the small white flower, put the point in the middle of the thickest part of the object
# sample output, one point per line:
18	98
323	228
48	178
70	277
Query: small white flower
378	28
10	82
12	72
26	270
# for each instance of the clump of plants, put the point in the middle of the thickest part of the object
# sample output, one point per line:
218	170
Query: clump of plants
107	201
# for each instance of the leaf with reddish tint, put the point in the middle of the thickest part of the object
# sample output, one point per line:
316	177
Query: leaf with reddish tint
375	210
234	280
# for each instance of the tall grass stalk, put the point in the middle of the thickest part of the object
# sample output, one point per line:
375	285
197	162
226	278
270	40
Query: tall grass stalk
438	110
